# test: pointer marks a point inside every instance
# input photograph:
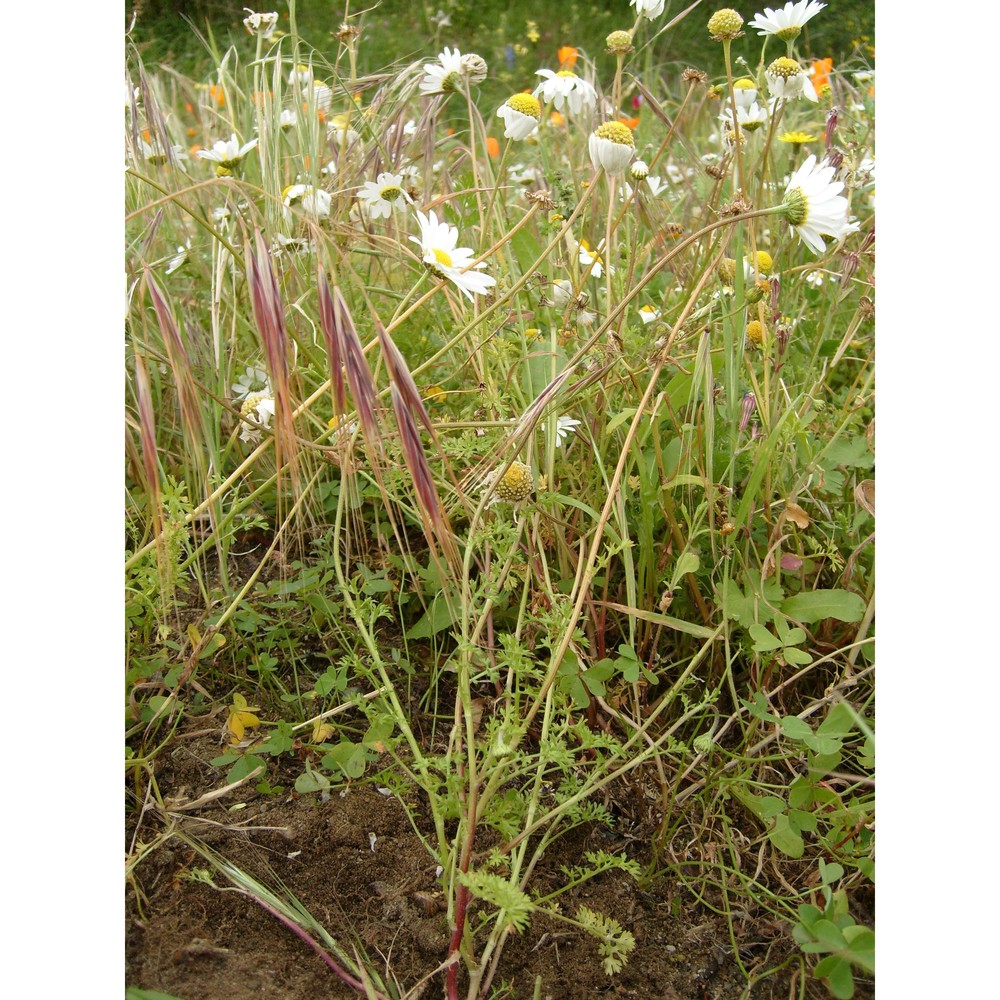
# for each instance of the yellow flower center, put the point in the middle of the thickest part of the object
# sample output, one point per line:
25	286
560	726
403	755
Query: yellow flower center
617	132
442	258
391	193
526	105
784	67
745	83
566	72
765	264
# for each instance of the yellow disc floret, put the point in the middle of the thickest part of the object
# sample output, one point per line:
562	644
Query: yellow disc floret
526	105
617	132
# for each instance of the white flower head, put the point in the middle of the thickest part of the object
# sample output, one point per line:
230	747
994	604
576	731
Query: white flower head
612	146
340	134
562	292
288	119
786	79
260	24
565	426
787	22
255	416
648	8
381	196
750	117
314	202
180	258
649	314
227	154
586	258
565	88
814	206
442	77
439	245
301	74
252	380
744	92
521	114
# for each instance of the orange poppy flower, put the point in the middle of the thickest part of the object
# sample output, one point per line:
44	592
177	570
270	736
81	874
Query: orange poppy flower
820	73
492	147
633	123
567	57
556	119
217	94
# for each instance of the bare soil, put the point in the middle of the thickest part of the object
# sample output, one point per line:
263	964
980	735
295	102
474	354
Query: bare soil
189	940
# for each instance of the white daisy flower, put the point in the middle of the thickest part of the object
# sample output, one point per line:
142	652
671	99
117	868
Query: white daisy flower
314	202
649	8
438	243
656	185
260	24
786	79
180	258
565	88
227	154
288	119
562	292
787	22
565	426
381	196
521	115
301	74
322	96
744	92
255	416
612	146
252	380
649	314
814	206
586	257
443	76
750	118
340	134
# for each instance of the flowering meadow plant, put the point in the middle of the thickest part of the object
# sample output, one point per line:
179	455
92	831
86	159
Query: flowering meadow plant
500	448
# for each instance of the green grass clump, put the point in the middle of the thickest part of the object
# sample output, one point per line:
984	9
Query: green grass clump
512	470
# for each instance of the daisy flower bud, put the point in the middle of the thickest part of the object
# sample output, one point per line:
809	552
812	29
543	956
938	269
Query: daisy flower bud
619	43
612	146
639	170
521	114
724	25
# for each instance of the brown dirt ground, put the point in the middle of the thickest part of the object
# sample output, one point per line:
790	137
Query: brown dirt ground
188	940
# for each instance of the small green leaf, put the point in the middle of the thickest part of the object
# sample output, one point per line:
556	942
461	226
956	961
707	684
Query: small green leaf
758	708
796	657
311	781
437	617
822	744
764	642
815	605
244	766
830	873
687	562
837	974
785	839
795	728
